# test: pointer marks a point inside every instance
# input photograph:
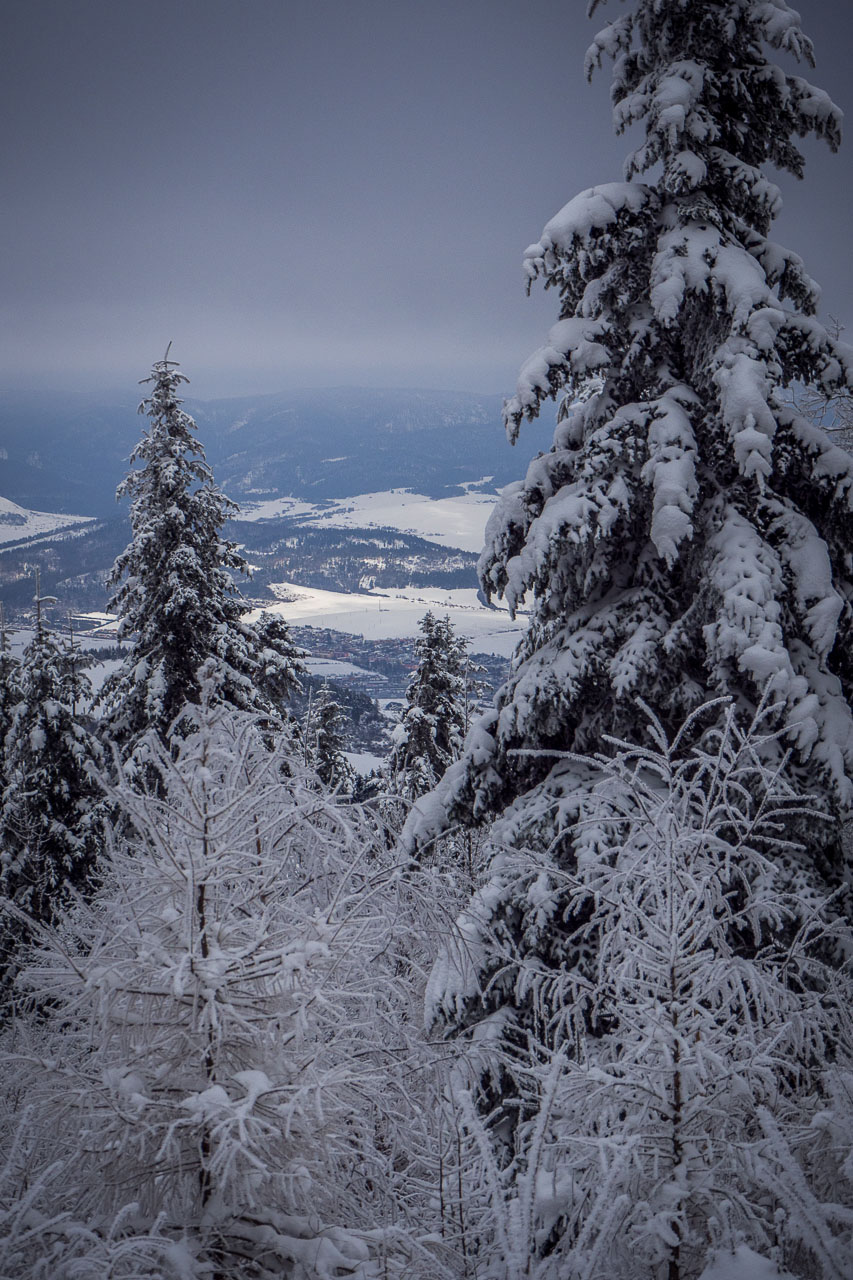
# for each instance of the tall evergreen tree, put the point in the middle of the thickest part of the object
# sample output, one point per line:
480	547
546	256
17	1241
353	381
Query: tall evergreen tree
50	820
429	736
687	535
688	532
174	590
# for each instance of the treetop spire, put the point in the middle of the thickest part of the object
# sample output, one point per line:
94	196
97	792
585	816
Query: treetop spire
695	76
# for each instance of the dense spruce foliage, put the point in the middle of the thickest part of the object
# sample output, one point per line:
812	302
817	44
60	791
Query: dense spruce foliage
50	802
10	681
687	535
324	737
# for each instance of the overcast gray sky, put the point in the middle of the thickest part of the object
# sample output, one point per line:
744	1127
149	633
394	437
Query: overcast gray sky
317	192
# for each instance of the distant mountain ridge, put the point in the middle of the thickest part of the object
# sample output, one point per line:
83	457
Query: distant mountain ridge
68	453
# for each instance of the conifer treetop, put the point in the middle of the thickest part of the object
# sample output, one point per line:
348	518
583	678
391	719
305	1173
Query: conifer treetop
430	734
695	75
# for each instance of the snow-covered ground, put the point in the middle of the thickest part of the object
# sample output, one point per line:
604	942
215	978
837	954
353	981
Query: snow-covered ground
452	522
20	637
97	625
364	762
388	615
274	508
99	673
743	1264
18	523
334	669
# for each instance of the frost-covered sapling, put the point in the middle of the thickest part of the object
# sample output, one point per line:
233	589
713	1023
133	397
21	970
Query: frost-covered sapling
210	1072
682	1091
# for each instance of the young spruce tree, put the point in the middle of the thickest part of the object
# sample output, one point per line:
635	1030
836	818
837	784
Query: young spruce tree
174	590
324	731
429	736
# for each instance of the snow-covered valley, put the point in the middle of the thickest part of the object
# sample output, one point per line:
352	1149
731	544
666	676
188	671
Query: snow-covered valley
17	524
451	522
384	615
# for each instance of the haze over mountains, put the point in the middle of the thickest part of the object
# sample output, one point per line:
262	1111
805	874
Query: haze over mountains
67	453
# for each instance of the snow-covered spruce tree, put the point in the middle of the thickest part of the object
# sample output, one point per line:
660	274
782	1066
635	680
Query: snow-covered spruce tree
174	590
430	734
686	1099
278	665
324	734
223	1074
689	532
50	809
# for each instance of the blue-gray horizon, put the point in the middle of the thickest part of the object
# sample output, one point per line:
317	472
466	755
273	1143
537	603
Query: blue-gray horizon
317	196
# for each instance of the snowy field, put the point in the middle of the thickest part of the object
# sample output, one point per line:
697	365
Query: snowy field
97	626
390	615
98	674
20	637
364	762
17	523
451	522
334	668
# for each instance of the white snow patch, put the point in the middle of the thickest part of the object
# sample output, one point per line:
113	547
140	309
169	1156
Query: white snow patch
364	762
99	673
451	522
743	1264
274	508
96	625
394	615
18	523
331	667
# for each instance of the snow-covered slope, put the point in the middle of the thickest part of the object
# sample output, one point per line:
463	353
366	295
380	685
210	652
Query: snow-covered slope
452	522
387	615
17	523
